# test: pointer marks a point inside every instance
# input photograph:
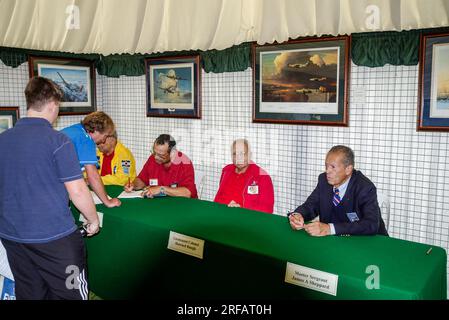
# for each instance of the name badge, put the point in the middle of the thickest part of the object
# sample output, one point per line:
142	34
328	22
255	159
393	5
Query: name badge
253	189
153	182
352	216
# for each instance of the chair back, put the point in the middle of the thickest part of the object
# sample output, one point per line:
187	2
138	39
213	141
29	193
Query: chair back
384	205
200	178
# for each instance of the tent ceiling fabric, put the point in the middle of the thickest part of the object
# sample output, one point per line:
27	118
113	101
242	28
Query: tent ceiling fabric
150	26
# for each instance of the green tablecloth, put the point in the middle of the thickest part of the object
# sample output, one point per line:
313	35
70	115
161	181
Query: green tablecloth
245	256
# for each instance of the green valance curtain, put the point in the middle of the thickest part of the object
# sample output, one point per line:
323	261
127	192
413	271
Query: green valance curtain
371	49
395	48
236	58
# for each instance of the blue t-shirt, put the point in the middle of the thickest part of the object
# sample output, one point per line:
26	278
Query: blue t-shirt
84	145
35	161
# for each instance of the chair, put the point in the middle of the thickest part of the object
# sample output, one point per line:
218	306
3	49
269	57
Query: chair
200	178
384	205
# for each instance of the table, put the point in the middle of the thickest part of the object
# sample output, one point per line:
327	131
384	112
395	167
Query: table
245	256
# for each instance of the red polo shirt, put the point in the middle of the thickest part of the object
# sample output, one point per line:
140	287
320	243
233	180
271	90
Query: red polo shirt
180	173
106	167
252	189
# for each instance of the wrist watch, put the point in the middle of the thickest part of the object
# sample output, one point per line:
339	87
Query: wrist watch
162	190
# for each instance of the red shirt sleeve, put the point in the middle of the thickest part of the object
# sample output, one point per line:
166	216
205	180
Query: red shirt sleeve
188	179
266	199
219	196
143	175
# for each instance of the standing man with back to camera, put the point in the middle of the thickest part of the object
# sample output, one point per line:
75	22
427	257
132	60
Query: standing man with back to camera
38	174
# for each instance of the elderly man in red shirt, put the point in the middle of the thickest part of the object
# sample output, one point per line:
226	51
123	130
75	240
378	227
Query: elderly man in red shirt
166	172
245	184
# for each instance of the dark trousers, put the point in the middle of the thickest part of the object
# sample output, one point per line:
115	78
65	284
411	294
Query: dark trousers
53	270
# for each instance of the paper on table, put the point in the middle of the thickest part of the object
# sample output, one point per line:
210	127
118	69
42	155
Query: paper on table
100	217
132	194
96	199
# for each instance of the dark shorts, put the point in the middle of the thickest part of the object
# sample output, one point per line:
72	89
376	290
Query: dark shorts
53	270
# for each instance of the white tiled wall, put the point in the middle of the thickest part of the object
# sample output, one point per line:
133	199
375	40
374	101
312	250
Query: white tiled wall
409	167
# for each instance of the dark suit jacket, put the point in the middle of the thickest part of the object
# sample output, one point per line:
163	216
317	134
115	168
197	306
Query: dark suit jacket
360	197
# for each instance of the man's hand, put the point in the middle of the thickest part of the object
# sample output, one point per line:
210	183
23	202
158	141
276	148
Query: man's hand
296	221
148	192
128	187
114	202
92	228
233	204
318	229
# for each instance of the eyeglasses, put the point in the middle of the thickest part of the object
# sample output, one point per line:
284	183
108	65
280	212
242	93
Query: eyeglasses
160	156
105	138
239	154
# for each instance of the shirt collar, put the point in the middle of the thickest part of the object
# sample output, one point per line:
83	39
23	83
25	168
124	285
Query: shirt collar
343	187
33	121
85	131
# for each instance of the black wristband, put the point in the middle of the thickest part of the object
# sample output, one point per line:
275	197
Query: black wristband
290	213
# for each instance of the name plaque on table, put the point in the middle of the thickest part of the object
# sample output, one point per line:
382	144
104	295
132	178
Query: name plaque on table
185	244
311	278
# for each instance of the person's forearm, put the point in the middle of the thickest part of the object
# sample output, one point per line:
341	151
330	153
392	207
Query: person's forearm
82	199
138	184
178	192
96	184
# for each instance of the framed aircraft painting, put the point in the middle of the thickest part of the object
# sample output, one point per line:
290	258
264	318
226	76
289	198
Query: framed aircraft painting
302	81
75	77
433	94
8	117
173	86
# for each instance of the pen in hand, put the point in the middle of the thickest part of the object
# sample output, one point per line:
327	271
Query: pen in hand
129	186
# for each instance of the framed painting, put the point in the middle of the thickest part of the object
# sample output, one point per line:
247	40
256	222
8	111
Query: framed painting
75	77
8	117
173	86
433	95
302	82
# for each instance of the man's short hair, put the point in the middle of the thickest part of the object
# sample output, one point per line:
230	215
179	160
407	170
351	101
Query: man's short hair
348	154
166	138
244	141
41	91
98	121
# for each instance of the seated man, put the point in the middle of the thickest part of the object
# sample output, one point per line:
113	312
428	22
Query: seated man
166	172
243	183
117	164
93	130
344	199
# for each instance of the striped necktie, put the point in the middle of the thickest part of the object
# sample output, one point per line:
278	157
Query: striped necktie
336	200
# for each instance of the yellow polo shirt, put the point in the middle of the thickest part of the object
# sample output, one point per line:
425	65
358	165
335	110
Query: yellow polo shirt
123	166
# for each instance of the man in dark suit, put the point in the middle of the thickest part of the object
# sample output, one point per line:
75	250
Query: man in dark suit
344	199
